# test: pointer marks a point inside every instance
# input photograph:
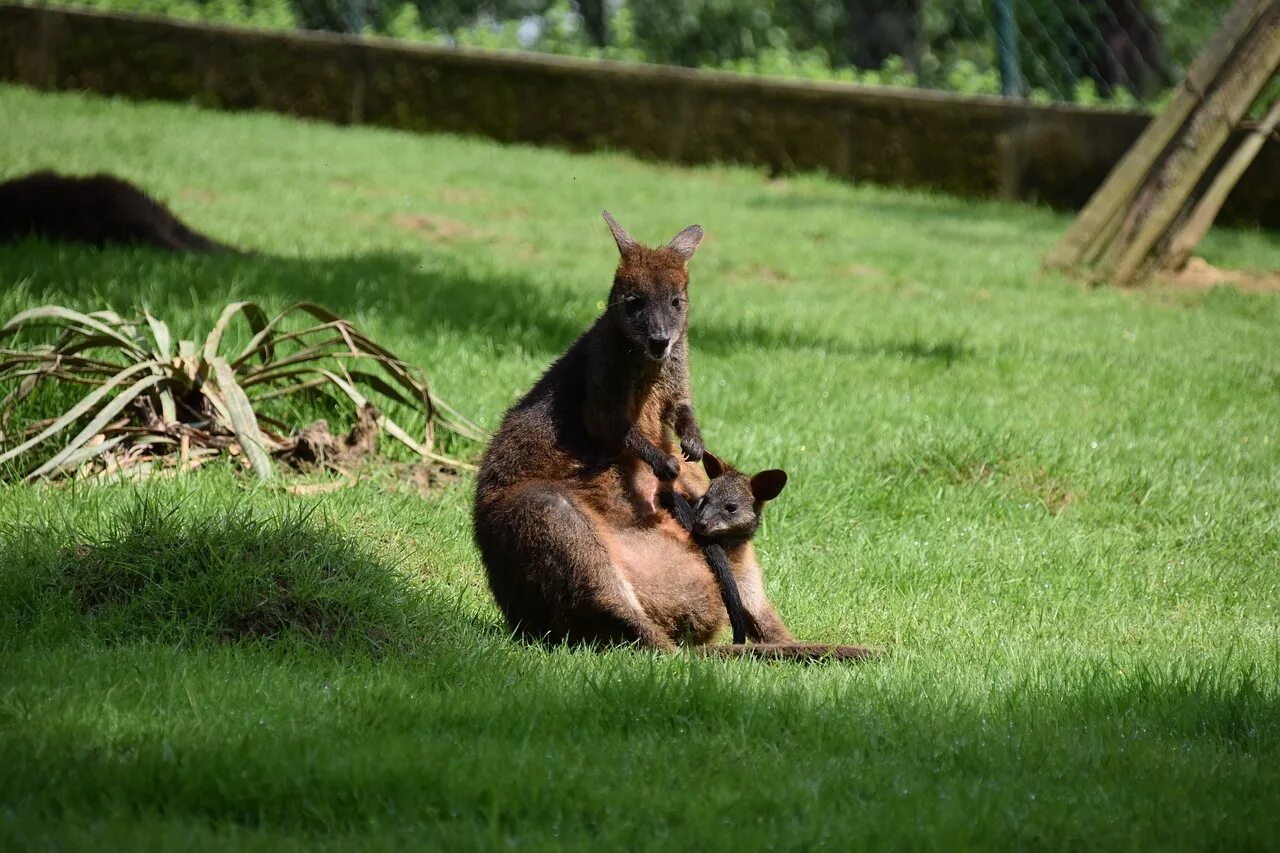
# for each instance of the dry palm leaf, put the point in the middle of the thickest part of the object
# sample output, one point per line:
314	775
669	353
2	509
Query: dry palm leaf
146	401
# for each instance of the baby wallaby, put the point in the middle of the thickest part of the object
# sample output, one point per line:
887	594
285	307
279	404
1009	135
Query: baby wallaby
724	520
638	374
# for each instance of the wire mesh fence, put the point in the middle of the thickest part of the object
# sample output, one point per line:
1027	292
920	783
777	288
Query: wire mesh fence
1117	52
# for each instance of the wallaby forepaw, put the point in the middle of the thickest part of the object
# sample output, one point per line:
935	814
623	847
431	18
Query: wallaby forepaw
667	469
692	448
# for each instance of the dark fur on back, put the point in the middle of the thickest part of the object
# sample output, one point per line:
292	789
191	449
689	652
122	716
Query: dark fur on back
100	210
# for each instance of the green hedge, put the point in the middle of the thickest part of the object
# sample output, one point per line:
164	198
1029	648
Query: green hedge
951	47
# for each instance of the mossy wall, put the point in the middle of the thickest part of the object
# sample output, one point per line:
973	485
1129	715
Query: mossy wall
965	146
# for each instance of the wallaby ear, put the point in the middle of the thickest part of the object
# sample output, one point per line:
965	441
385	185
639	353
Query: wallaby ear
767	485
626	243
712	464
686	242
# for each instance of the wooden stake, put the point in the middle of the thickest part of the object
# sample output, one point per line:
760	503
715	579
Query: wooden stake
1207	209
1175	179
1105	209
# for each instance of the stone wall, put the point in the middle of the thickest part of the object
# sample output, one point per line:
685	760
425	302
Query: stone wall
981	147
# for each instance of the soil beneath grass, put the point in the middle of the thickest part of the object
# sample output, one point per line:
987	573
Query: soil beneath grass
1199	274
354	457
434	227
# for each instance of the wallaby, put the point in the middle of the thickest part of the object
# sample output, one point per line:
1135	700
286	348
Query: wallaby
100	210
723	521
583	452
638	379
570	557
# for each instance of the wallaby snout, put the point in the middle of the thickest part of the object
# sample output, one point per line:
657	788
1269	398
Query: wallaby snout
659	345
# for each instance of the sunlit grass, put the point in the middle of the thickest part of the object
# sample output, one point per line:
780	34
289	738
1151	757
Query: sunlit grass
1056	508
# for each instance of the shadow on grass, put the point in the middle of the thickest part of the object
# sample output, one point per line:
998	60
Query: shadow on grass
155	572
138	685
493	743
505	309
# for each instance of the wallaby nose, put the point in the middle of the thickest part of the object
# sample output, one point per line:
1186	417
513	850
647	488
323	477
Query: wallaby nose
658	345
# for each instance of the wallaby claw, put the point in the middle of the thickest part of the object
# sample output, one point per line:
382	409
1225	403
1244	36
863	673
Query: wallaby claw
667	469
693	449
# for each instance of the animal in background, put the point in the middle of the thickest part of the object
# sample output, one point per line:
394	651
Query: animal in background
101	210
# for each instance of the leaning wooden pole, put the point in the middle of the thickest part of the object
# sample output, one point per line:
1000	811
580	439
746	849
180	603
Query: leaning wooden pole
1105	209
1172	182
1210	204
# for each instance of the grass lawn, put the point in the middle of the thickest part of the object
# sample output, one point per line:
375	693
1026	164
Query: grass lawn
1058	509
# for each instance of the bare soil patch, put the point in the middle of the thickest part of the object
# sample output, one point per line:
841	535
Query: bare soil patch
760	273
1199	274
435	228
463	195
197	194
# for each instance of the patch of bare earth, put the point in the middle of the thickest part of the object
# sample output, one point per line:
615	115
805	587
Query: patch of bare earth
196	194
343	185
1199	274
760	273
354	458
1039	484
435	228
463	195
1036	483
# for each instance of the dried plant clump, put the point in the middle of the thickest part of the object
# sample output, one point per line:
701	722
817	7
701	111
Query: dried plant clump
150	405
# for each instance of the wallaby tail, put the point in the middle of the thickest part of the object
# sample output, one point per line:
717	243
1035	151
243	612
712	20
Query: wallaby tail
801	652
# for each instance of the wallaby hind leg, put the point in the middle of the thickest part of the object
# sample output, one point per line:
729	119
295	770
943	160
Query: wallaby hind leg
555	551
767	624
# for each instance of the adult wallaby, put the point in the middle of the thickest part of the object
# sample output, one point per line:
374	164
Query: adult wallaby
638	363
573	549
584	451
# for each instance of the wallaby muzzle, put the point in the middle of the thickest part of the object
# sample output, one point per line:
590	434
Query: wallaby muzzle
659	346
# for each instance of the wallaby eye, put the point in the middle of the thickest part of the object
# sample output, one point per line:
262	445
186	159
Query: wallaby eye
731	508
677	302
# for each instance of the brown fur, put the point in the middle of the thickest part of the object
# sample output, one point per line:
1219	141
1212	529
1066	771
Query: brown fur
634	391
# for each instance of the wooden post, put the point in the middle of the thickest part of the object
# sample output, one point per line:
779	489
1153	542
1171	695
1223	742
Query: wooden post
1206	210
1105	211
1168	187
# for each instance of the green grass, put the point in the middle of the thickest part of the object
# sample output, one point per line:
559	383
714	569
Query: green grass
1057	508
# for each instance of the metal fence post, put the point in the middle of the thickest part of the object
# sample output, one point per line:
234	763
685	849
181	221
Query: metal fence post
1007	49
355	16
